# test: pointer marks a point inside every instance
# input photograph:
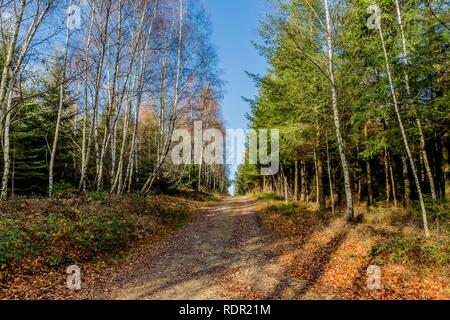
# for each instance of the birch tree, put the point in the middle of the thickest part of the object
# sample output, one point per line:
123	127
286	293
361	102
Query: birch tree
12	71
347	186
403	133
408	91
60	107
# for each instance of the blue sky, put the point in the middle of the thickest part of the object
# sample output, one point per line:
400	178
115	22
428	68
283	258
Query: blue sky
235	24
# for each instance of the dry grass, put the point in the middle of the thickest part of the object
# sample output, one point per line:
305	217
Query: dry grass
334	256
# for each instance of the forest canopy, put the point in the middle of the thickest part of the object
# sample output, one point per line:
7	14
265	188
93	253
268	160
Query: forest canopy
91	92
359	91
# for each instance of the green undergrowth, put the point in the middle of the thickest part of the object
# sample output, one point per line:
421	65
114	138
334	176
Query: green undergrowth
63	231
410	249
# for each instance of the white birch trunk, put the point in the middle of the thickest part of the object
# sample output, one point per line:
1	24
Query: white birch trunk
405	139
408	91
60	109
347	185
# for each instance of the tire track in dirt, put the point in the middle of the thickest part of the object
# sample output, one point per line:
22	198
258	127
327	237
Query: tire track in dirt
226	253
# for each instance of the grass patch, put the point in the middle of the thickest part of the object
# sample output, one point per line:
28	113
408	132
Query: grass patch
407	249
267	196
286	209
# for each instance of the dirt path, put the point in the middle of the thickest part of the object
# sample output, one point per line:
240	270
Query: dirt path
226	253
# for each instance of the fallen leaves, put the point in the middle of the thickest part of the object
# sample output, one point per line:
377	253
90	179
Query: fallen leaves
334	259
41	274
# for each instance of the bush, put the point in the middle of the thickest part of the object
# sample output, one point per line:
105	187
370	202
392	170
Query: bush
286	209
437	211
14	242
61	231
63	187
403	249
267	196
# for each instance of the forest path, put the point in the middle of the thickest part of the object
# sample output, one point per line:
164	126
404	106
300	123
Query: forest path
226	253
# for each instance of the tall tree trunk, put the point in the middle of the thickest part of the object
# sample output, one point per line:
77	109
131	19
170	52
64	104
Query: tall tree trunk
320	178
117	182
173	112
93	127
394	196
60	109
295	181
7	85
84	160
418	122
406	182
347	185
6	158
446	154
133	152
386	178
13	169
320	200
303	177
421	169
316	178
402	130
329	176
286	198
368	175
109	124
7	64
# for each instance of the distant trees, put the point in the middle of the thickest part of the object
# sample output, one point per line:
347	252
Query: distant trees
385	88
100	86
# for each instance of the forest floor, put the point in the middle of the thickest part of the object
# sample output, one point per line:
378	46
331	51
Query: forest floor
226	253
338	259
241	249
259	248
40	237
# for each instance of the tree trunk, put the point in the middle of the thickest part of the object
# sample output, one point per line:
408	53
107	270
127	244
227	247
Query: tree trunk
109	124
446	154
386	177
303	177
405	140
418	122
6	159
394	196
295	181
82	185
286	200
93	129
347	185
368	175
60	110
421	169
406	182
320	195
7	85
173	112
316	178
8	60
329	176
